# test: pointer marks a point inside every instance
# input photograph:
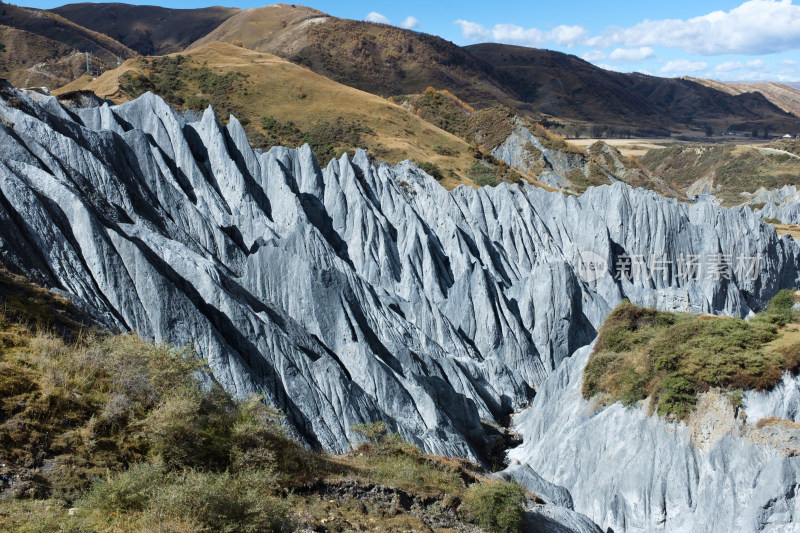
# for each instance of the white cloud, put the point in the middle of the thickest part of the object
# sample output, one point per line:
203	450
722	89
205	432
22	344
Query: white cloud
472	31
568	35
409	23
594	55
517	34
683	66
788	63
728	66
757	64
511	33
374	16
754	27
631	55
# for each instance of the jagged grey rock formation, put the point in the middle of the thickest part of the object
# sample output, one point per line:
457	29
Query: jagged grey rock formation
780	204
556	168
574	169
634	473
783	401
527	477
554	519
346	294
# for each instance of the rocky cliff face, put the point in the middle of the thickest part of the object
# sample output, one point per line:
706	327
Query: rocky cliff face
351	293
780	204
573	169
636	473
557	168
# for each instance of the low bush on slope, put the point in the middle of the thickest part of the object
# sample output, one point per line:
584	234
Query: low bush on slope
104	432
671	357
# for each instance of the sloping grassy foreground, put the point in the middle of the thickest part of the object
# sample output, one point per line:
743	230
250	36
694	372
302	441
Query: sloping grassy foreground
106	432
671	357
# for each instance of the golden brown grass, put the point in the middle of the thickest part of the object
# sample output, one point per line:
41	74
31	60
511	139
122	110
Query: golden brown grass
775	421
274	88
792	230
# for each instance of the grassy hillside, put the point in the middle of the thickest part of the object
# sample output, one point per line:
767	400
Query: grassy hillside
376	58
784	96
149	30
30	60
727	169
671	357
262	27
105	432
390	61
570	88
282	103
48	45
487	128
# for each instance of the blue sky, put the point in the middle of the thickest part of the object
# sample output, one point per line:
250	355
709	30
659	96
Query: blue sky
739	40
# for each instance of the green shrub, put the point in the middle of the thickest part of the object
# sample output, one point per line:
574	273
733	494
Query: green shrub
217	85
325	137
779	309
192	428
199	501
413	473
135	85
131	490
672	356
482	174
222	502
495	506
677	396
443	150
373	432
256	436
434	171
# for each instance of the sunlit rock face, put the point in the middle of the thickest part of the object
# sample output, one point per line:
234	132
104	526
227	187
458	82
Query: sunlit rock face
353	293
632	471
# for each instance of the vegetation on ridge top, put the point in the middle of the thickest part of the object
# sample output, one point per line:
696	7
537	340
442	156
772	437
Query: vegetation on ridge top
672	357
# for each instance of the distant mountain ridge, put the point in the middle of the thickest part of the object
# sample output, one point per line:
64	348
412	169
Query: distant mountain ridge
150	30
43	48
390	61
784	95
376	58
568	87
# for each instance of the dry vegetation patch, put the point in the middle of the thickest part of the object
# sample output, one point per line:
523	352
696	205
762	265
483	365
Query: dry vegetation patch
671	357
103	432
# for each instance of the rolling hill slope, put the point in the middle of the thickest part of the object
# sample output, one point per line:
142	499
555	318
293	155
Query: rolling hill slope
782	95
726	171
43	48
29	60
150	30
568	87
389	61
376	58
299	105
